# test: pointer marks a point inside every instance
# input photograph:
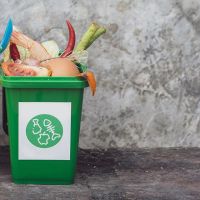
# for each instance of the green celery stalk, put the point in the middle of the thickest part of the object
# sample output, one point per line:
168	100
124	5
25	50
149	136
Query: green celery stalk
87	37
97	34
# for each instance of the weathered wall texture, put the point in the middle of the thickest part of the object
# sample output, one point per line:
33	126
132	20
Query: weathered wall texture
147	66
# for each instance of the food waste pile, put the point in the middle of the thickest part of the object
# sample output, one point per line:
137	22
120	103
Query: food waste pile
23	56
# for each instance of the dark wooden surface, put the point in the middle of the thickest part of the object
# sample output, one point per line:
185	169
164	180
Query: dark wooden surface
157	174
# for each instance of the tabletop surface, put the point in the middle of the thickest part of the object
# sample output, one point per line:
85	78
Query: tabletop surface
142	174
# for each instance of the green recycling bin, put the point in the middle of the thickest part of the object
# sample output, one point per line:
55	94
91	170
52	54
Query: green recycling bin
44	115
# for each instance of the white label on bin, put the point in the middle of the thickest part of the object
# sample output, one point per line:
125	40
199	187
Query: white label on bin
44	130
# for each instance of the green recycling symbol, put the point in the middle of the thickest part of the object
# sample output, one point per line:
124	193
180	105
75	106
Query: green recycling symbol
44	131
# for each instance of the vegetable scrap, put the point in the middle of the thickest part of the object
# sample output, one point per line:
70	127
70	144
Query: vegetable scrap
14	53
71	41
24	56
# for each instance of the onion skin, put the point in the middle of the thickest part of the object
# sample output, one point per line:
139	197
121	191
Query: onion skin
31	61
61	67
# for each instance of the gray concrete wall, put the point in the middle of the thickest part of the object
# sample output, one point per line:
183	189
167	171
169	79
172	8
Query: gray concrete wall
147	66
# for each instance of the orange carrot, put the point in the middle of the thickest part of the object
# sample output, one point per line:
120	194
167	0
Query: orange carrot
91	80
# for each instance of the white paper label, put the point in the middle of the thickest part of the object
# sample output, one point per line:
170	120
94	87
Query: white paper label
44	131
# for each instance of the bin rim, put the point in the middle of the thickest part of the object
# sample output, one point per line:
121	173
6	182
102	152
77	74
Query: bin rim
43	82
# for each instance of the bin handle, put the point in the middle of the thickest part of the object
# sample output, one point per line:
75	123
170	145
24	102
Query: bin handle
1	76
5	41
